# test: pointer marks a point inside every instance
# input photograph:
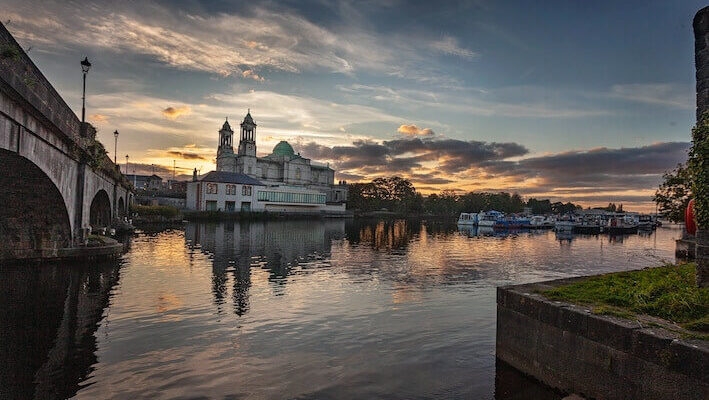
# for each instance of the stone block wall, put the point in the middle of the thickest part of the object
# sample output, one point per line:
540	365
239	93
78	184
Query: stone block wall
601	357
34	220
19	73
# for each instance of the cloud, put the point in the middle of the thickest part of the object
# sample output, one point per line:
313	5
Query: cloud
599	169
176	112
98	118
405	155
453	155
449	45
186	155
514	102
628	174
163	171
256	37
413	130
671	95
249	73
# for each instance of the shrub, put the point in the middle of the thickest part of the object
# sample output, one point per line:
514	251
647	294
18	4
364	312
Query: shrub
155	211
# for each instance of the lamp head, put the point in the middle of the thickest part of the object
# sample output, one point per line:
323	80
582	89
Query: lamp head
85	65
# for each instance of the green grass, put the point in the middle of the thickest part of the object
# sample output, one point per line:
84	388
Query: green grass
158	211
668	292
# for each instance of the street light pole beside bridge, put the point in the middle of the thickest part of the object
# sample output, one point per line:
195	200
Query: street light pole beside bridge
85	66
115	147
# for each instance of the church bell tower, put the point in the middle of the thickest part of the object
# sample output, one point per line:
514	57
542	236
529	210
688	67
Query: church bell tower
226	159
247	143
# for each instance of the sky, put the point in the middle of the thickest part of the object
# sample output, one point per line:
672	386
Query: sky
577	101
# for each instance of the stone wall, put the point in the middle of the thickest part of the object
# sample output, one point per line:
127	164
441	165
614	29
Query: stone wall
27	81
701	58
34	219
569	348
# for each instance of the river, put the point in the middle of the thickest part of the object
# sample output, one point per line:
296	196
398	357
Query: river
326	309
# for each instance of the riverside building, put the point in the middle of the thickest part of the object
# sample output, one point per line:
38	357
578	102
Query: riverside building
282	181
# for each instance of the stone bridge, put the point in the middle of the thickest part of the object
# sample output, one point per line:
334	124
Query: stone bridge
56	179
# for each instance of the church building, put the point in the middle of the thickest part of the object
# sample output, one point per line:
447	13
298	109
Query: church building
281	182
282	167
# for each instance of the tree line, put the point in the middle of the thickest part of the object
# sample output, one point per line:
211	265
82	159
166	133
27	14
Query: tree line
399	195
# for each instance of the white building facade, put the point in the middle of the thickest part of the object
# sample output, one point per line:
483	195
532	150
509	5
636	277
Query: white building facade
235	192
282	167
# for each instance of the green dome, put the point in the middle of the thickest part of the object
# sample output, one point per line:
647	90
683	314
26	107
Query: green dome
283	149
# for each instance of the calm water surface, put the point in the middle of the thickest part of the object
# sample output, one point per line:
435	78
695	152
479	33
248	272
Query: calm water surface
289	309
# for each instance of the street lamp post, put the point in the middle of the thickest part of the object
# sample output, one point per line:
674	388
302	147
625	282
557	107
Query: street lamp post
85	66
126	164
115	147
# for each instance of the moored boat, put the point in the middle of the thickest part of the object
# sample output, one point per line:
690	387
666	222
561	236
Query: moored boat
589	224
540	222
621	225
468	219
489	218
565	223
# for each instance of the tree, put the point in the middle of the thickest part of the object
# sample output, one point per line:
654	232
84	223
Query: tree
539	206
394	194
673	194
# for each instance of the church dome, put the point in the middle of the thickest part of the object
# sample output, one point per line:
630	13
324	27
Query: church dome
283	149
226	126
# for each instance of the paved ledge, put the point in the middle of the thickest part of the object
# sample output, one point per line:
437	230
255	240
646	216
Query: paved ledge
108	251
602	357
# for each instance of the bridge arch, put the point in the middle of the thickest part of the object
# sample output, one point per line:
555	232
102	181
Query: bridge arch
121	210
100	210
34	213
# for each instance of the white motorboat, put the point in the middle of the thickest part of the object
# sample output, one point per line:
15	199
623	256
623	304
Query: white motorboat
565	223
489	218
468	219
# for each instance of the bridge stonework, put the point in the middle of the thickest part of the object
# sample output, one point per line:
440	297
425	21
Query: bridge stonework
47	182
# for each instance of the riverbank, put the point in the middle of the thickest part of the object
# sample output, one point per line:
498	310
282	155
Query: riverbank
602	336
98	248
669	293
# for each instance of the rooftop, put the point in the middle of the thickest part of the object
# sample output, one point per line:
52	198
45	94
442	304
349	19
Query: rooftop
248	119
230	177
138	176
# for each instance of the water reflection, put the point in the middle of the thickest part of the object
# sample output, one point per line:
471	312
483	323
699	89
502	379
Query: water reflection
326	309
48	324
511	384
276	246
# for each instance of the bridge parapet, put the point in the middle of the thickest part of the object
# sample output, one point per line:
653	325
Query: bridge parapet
61	182
21	75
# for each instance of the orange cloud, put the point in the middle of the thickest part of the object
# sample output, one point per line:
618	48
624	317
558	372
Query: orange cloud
249	73
186	155
413	130
98	117
175	112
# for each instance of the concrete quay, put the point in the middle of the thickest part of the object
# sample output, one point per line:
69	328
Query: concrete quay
569	348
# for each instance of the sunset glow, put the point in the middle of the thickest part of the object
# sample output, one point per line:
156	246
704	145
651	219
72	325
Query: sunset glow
469	98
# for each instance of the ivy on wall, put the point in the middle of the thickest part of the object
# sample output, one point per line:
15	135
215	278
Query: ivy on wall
698	166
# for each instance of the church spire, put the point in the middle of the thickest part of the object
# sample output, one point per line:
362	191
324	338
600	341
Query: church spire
247	142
